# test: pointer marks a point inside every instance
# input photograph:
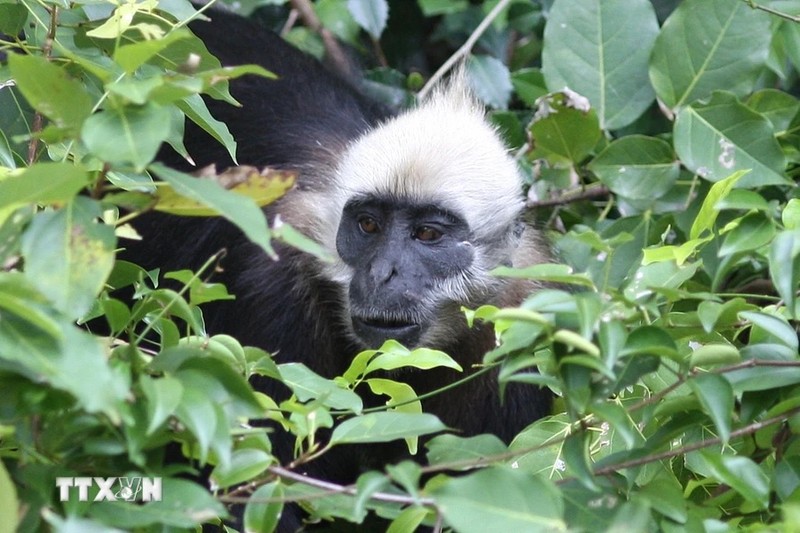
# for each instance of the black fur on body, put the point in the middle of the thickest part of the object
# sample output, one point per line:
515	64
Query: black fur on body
293	307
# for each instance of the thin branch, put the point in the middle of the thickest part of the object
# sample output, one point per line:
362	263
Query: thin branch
335	52
741	432
465	49
570	196
781	14
329	488
38	118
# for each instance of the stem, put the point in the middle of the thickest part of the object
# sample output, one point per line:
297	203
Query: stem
332	48
38	118
573	195
741	432
329	488
211	260
781	14
465	49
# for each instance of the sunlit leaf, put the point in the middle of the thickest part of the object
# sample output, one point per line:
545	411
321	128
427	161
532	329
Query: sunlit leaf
706	45
499	499
601	50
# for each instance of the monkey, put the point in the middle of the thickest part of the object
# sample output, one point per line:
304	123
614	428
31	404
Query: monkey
416	207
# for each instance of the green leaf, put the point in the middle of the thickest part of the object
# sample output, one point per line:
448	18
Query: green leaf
68	255
385	427
706	45
307	385
779	107
398	393
50	90
490	80
12	20
666	497
132	56
129	135
773	327
784	267
715	354
637	167
163	395
529	85
431	8
723	136
9	504
787	477
500	499
564	130
408	520
296	239
452	448
198	413
335	16
245	465
715	315
394	356
751	233
707	216
764	378
240	210
600	49
634	515
184	504
62	362
43	183
260	515
370	15
741	474
196	110
716	396
546	272
790	216
368	484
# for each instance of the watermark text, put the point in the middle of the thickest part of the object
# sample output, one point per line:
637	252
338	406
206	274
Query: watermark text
110	489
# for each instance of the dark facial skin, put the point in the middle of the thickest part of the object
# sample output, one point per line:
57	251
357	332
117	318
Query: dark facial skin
401	254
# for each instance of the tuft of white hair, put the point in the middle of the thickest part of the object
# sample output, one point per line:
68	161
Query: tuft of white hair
442	152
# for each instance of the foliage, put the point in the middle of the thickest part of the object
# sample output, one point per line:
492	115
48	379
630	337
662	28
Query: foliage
661	142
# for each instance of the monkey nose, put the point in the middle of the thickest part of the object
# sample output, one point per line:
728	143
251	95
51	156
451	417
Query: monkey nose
381	271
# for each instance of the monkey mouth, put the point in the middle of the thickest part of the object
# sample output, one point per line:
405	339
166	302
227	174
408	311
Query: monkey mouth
375	330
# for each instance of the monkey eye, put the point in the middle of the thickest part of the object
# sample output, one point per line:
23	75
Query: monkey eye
368	225
427	234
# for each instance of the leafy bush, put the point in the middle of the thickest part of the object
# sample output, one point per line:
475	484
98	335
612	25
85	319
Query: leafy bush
661	144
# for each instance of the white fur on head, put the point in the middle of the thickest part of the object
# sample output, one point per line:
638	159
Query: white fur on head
441	152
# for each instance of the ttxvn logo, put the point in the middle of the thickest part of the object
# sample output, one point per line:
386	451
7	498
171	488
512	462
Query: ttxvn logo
111	489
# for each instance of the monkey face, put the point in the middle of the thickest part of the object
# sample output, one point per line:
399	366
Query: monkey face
408	263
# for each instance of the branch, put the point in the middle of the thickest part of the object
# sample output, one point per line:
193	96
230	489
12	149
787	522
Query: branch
332	48
570	196
747	430
465	49
329	488
787	16
38	118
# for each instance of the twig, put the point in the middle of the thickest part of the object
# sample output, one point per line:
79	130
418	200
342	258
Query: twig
747	430
465	49
332	48
570	196
787	16
330	488
38	118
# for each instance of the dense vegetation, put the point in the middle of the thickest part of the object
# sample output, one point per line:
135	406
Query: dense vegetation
661	143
